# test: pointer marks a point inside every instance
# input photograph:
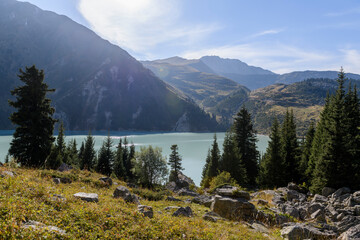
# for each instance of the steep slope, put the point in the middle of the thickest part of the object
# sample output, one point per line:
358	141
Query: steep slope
98	85
298	76
205	88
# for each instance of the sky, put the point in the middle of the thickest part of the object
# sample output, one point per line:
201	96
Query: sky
279	35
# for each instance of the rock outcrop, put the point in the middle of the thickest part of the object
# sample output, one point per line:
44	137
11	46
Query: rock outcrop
124	193
88	197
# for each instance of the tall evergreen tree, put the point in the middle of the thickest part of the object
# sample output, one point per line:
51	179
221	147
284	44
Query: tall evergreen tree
175	163
106	157
119	168
245	137
33	137
231	160
334	161
272	164
214	167
60	141
305	156
81	154
290	148
204	179
88	157
72	153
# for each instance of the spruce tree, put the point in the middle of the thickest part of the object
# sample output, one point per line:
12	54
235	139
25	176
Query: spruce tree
72	152
231	160
214	167
33	136
290	148
119	168
245	137
106	157
88	157
271	165
60	141
175	163
204	179
305	156
81	153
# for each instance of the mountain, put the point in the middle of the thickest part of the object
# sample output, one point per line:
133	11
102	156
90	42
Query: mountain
98	85
194	79
303	75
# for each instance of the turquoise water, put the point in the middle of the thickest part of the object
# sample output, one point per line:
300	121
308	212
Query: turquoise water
193	147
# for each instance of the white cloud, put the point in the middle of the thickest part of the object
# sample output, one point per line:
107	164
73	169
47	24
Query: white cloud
266	32
343	13
279	58
351	62
140	25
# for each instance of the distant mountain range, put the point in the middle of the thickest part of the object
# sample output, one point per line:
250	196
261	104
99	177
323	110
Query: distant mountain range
98	85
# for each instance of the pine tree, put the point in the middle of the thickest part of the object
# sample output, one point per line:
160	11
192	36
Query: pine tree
271	165
204	179
88	157
60	141
290	148
119	168
81	154
33	137
72	152
175	163
305	156
106	157
245	137
231	160
214	167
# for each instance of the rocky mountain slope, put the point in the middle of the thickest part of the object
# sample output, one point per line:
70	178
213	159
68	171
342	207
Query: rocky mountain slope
98	85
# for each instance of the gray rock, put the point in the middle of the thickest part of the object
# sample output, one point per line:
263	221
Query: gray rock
41	226
262	202
106	180
186	192
186	212
293	195
56	197
327	191
203	200
146	210
182	182
319	215
313	207
124	193
65	180
170	198
171	207
291	211
231	191
293	186
319	199
233	209
357	210
258	227
278	200
88	197
351	233
331	212
281	219
64	167
341	191
211	216
298	231
7	174
56	180
347	222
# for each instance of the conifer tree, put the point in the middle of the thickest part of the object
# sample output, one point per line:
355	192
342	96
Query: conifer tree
33	136
106	157
305	156
213	168
271	165
175	163
81	153
60	141
204	179
245	137
231	160
72	153
119	168
290	148
88	157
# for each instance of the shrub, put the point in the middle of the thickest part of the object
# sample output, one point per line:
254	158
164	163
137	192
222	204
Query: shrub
222	179
151	195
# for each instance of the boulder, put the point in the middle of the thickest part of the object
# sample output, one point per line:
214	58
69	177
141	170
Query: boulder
146	210
233	209
319	199
124	193
106	180
186	192
258	227
293	195
170	198
203	200
313	207
291	211
262	202
297	231
319	215
295	187
327	191
340	192
171	207
182	182
211	216
88	197
351	233
356	197
56	180
347	222
64	167
186	212
40	226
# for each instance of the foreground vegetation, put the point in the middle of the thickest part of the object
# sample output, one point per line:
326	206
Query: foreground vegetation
29	195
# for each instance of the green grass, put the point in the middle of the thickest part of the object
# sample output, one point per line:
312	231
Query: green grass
28	196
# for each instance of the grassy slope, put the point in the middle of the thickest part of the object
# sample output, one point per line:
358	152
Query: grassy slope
28	197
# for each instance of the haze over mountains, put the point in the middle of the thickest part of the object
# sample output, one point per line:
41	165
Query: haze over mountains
98	85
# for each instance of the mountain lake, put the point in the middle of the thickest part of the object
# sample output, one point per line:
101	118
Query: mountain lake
193	147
